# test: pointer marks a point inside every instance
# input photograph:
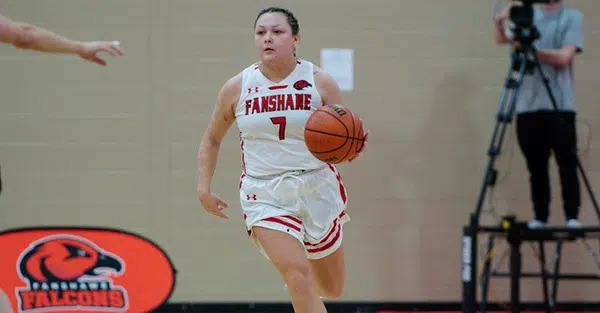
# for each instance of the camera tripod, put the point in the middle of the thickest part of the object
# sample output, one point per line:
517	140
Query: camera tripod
524	61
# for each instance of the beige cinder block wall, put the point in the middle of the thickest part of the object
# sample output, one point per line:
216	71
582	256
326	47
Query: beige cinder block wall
116	146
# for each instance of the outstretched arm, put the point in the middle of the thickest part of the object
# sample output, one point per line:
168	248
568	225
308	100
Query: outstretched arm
32	37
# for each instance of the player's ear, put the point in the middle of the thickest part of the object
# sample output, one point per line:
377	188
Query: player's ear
296	41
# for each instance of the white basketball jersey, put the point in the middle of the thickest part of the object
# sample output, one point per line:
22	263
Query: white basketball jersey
271	118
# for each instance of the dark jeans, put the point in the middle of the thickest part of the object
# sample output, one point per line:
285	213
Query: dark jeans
538	134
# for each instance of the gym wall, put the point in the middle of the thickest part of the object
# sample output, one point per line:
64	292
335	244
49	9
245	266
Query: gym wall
116	146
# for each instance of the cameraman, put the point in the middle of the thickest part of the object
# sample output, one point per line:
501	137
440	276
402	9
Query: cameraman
540	130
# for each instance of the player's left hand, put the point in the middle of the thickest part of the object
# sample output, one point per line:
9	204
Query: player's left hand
91	50
362	148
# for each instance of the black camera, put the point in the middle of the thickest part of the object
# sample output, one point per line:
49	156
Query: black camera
522	17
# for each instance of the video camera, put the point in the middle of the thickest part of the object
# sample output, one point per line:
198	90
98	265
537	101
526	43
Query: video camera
522	17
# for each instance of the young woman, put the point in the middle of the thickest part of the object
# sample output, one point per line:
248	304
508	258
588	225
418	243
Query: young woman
293	203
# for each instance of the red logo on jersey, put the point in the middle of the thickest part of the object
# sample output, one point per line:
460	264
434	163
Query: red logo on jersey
301	84
250	90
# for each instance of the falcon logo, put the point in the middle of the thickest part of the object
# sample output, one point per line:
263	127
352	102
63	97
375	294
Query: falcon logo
69	273
301	84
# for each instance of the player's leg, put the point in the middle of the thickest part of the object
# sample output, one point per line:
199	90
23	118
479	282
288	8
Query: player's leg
288	256
278	233
326	257
323	233
330	274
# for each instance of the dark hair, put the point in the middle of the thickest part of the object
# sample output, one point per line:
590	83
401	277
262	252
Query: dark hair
291	19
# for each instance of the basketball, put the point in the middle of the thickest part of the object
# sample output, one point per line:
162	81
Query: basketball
334	134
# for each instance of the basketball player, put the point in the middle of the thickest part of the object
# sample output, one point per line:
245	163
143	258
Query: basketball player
31	37
293	203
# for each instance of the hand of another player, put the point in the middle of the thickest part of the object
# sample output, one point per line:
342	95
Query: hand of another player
362	148
213	204
93	48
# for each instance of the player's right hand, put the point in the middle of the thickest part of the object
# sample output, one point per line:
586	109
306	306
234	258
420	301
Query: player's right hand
213	204
362	148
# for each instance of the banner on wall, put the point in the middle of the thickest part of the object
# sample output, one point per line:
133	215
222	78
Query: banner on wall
78	269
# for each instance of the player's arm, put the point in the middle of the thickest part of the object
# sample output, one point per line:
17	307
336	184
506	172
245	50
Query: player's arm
8	32
222	118
571	44
328	88
27	36
31	37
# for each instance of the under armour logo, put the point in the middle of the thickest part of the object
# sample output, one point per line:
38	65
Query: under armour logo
255	89
253	197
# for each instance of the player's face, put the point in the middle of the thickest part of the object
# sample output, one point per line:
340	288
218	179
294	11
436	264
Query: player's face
273	37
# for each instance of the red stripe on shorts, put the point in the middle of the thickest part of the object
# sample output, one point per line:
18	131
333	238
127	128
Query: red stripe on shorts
293	218
333	228
329	244
279	221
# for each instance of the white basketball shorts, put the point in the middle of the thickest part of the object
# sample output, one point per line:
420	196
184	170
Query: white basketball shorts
308	205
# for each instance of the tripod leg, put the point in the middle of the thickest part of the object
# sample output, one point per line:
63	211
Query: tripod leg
586	182
505	113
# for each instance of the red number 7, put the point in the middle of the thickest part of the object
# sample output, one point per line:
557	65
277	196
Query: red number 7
280	120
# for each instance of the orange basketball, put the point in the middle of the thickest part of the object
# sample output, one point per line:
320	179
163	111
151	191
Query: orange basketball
334	134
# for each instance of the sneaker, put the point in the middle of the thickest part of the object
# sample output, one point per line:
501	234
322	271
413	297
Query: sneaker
536	224
573	223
